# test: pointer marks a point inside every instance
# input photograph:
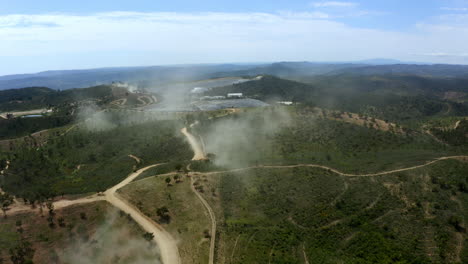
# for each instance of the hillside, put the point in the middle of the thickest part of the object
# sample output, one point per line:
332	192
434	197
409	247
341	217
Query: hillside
40	97
384	97
147	77
269	87
436	70
359	169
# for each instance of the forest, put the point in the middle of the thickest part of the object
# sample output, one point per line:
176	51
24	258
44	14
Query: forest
85	161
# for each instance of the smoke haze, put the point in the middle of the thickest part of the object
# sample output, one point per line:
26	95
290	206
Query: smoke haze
112	243
241	140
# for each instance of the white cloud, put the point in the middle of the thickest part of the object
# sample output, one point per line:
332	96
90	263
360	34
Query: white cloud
333	4
456	9
443	54
57	41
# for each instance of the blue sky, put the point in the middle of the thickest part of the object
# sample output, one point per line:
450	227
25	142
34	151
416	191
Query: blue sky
51	35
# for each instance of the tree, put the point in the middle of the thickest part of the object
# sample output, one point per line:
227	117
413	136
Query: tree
139	205
50	206
210	156
178	167
83	215
163	214
22	254
168	180
61	221
148	236
177	178
19	227
5	200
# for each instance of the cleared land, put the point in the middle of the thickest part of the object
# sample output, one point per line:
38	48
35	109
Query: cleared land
80	234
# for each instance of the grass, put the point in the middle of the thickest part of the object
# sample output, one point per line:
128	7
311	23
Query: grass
189	219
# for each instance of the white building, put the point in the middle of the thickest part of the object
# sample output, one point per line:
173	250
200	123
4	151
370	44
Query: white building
235	95
216	97
199	90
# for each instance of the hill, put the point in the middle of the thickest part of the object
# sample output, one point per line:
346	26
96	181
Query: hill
395	98
39	97
437	70
160	75
145	76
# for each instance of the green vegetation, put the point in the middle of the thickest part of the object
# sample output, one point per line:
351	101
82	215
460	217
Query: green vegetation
297	214
273	214
85	161
387	97
173	166
178	209
454	136
304	136
269	87
18	127
40	97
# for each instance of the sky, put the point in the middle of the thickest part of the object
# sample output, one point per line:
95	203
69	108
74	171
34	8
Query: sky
40	35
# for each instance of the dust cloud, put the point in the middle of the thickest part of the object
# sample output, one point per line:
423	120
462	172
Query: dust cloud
129	87
244	139
112	243
94	119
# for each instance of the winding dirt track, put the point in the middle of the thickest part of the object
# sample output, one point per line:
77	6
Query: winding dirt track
337	171
165	242
213	221
198	154
196	146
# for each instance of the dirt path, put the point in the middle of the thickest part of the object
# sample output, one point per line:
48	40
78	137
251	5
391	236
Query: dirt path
213	221
119	102
151	100
90	199
196	147
449	109
434	137
165	242
68	130
234	248
306	260
138	160
337	171
459	237
23	208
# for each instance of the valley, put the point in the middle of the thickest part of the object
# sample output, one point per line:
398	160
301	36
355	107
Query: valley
313	173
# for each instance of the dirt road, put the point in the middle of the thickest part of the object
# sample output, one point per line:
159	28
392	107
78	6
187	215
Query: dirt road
213	221
22	208
165	242
196	146
337	171
138	160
